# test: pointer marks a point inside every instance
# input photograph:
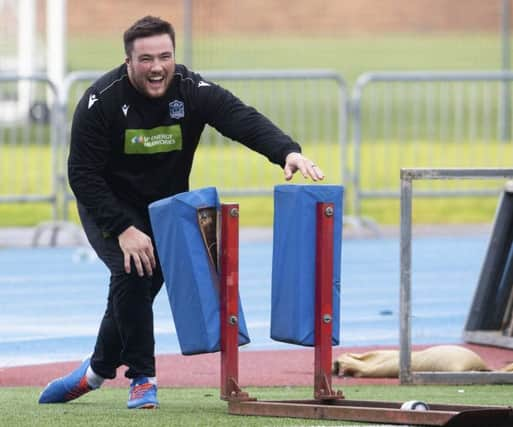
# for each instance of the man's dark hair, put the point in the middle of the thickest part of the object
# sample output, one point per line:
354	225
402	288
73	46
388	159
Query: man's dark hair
146	27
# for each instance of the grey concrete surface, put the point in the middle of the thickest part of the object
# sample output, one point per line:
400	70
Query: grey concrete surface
66	234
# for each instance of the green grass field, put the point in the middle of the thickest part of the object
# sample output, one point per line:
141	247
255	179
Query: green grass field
202	407
350	55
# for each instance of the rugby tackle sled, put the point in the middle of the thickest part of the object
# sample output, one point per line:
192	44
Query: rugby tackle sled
327	402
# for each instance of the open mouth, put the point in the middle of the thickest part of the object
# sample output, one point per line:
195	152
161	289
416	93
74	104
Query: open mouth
156	80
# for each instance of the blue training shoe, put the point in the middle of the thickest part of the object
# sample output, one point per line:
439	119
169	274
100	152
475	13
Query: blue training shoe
142	394
67	388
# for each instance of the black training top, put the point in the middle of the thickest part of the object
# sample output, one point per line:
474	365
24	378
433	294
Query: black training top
126	147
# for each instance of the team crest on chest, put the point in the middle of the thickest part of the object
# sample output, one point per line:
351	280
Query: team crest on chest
176	109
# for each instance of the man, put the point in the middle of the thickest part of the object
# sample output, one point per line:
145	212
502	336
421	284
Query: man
133	140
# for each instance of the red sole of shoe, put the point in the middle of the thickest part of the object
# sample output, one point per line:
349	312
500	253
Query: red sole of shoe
148	406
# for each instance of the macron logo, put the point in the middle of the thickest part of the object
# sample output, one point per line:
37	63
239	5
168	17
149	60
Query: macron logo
92	100
202	83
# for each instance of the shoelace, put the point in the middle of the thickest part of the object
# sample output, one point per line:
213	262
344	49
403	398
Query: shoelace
138	391
81	388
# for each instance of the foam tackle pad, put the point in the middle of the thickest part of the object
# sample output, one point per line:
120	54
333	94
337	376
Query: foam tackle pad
184	227
293	269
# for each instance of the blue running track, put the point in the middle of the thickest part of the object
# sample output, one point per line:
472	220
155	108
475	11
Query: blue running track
52	300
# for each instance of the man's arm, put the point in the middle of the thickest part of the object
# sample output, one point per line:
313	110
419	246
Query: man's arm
89	154
88	159
235	120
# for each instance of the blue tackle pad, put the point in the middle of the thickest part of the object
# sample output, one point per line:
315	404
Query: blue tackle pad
191	281
293	269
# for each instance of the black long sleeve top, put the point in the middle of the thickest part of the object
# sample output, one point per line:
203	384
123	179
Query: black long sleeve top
128	148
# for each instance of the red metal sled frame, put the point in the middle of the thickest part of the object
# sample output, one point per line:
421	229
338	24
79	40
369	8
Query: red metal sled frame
327	403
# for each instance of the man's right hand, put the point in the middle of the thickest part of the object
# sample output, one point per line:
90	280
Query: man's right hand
137	246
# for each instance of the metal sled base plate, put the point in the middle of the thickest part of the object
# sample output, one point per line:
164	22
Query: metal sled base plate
377	412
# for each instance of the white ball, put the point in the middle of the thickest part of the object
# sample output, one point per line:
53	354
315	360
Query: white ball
415	405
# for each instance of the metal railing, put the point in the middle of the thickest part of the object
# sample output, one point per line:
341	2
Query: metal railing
310	105
406	376
426	119
29	140
400	119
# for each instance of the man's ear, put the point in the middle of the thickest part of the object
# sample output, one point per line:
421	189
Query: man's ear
127	60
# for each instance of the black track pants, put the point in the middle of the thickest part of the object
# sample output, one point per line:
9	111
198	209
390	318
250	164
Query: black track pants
126	335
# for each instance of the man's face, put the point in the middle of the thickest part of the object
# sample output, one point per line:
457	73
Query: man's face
151	65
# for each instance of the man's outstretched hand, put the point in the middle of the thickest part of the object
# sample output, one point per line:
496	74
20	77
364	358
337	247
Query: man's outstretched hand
297	162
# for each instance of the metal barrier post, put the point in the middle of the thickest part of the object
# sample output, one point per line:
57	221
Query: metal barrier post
405	372
324	303
229	297
405	287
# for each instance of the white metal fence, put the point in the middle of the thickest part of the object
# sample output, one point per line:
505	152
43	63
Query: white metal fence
310	105
428	119
407	119
29	141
